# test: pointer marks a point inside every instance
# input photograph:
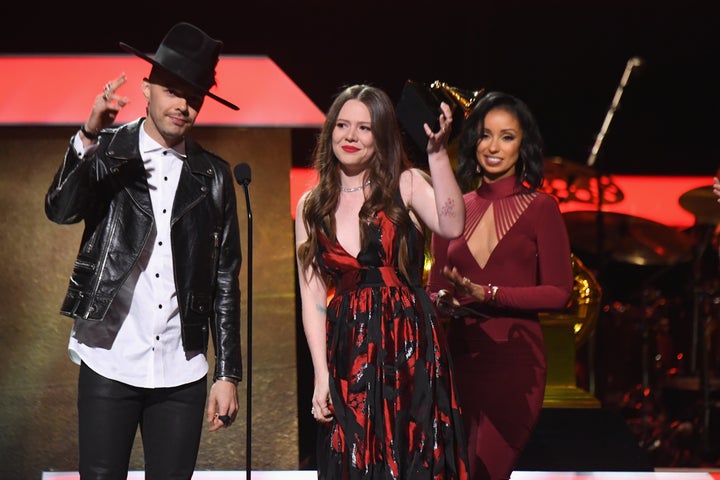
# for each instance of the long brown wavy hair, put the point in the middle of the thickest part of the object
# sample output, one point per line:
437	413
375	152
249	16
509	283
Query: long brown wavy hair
384	170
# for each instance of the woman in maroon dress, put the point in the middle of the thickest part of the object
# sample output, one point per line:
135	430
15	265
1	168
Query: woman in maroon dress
384	393
512	262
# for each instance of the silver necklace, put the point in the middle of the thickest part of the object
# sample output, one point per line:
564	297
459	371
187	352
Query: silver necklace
355	189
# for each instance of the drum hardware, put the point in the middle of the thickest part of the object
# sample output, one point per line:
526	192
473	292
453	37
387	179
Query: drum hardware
702	321
653	300
702	203
637	246
669	442
570	181
643	402
627	239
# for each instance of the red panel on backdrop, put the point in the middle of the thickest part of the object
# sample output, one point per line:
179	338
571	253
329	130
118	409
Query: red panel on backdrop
654	198
57	90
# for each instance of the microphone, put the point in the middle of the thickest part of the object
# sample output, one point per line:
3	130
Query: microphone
242	173
636	66
242	176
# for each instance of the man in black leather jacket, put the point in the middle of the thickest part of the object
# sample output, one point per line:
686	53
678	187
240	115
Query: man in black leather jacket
157	271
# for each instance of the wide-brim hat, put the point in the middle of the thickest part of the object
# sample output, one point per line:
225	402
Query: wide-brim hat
189	54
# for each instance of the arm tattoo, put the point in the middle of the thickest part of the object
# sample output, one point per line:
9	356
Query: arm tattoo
448	210
321	309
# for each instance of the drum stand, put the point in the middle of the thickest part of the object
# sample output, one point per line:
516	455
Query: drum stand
651	299
702	316
703	300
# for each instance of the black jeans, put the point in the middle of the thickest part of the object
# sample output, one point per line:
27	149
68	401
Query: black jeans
109	413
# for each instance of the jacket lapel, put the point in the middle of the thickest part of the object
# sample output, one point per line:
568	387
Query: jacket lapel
195	179
123	156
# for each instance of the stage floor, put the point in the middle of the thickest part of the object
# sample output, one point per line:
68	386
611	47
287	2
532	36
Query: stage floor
520	475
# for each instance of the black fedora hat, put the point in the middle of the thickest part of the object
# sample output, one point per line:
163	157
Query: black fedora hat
190	54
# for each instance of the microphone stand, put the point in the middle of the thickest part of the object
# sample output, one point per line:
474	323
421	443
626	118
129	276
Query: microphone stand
242	175
248	441
600	221
632	63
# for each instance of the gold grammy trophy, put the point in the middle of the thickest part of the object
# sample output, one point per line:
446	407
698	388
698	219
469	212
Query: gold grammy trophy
564	332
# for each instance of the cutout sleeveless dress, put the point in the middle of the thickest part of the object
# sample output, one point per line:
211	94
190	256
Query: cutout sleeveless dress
499	355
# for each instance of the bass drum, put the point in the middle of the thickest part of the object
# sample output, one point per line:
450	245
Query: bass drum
584	306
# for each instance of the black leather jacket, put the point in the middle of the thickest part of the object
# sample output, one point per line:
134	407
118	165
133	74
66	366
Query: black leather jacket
108	190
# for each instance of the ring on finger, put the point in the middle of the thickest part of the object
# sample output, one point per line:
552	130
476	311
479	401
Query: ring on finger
106	92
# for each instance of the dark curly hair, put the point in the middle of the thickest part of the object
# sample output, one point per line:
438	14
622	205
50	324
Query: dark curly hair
529	169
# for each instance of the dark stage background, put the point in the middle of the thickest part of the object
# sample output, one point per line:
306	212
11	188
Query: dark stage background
564	57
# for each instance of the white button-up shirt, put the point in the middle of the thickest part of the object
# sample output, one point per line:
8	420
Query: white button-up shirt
147	351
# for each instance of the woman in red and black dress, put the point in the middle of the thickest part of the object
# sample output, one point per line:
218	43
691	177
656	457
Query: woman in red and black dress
384	392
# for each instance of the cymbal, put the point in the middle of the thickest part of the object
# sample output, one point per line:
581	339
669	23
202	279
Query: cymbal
576	182
627	239
572	172
702	203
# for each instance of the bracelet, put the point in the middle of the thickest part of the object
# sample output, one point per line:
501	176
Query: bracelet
88	135
493	292
227	379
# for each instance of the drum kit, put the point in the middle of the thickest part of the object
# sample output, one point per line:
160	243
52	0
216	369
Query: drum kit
656	326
